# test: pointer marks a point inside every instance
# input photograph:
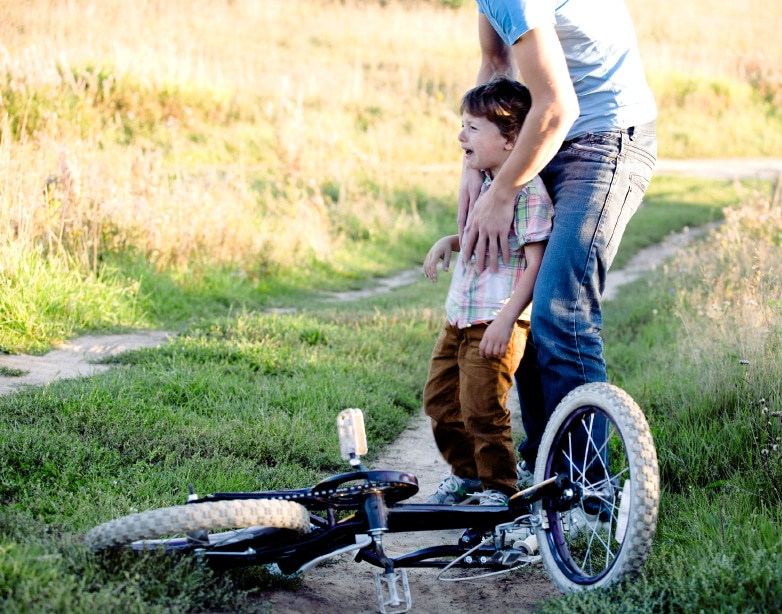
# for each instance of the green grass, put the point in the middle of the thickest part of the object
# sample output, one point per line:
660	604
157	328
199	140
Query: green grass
247	400
701	116
11	372
674	203
237	403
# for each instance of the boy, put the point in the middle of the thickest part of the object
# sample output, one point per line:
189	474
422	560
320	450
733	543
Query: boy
482	341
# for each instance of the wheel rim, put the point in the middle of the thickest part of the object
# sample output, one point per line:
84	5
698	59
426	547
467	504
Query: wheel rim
586	540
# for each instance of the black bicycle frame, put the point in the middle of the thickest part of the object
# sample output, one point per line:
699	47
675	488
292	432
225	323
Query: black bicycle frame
372	514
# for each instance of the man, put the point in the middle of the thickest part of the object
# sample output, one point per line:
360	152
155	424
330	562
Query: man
590	135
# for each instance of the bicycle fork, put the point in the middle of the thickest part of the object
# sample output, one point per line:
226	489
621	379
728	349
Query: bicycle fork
389	581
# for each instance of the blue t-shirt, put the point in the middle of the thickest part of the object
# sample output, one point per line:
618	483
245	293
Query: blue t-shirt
602	56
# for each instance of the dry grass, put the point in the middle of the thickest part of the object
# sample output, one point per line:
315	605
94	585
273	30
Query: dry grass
716	38
245	131
286	95
730	287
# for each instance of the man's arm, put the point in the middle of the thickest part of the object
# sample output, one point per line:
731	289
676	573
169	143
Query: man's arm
496	57
497	336
538	53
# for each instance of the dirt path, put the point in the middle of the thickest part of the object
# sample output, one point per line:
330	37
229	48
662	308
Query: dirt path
75	358
344	586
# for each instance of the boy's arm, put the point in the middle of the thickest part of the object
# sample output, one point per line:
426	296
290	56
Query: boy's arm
497	336
441	250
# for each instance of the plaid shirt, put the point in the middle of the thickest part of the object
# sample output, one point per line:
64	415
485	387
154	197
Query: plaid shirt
478	297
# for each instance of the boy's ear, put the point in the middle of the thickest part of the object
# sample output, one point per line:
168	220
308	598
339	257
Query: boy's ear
509	144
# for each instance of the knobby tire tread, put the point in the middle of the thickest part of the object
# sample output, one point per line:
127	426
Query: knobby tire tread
206	516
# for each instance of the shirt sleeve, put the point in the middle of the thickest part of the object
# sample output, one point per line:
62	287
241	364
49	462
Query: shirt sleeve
513	18
534	213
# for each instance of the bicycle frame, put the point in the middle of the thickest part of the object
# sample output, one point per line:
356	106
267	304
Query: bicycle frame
591	517
372	516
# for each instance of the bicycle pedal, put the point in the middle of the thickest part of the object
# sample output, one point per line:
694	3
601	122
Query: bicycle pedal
507	557
386	586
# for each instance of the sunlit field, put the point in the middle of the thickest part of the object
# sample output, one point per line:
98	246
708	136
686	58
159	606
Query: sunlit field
311	141
189	164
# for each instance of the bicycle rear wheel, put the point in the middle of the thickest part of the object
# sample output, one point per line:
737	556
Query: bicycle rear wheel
196	517
599	437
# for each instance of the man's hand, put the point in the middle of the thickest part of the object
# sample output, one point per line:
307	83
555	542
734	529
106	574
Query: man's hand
469	191
488	226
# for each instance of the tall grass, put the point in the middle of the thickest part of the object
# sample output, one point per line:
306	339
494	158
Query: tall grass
698	345
306	138
214	140
714	66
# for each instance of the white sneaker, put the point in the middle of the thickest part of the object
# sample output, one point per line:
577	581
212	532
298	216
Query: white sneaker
526	478
453	490
580	522
493	497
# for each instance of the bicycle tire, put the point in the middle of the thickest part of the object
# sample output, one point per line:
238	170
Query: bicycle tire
607	535
206	516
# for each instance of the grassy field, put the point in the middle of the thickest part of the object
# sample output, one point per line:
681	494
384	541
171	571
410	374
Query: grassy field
179	159
188	164
247	401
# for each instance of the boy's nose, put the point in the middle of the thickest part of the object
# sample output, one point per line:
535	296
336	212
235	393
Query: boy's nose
460	136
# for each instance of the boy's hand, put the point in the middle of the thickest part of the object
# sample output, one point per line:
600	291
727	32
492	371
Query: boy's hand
441	250
496	338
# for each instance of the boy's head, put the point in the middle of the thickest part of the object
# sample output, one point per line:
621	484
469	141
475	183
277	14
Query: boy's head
492	115
504	102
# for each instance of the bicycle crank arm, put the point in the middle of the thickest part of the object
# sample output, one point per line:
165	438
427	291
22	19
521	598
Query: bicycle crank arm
362	541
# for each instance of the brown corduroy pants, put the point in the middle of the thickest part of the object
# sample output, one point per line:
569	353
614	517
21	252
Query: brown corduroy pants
466	398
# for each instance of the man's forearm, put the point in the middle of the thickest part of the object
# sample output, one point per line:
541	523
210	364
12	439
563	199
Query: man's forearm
539	140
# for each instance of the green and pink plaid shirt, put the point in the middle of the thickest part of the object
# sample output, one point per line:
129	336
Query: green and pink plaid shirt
478	297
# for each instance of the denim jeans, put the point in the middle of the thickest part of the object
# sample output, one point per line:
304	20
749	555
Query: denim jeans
597	182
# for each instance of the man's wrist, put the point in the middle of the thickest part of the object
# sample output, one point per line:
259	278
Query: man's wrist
503	196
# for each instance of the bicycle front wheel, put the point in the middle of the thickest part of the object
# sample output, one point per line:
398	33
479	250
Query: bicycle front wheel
599	438
197	517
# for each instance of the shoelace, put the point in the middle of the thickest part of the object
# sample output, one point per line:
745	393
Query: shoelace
492	498
448	485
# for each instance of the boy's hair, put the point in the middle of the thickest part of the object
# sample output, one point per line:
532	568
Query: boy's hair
504	102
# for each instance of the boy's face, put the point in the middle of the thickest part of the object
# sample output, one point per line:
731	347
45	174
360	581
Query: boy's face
484	146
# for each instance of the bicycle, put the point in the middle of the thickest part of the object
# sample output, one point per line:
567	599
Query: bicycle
590	517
